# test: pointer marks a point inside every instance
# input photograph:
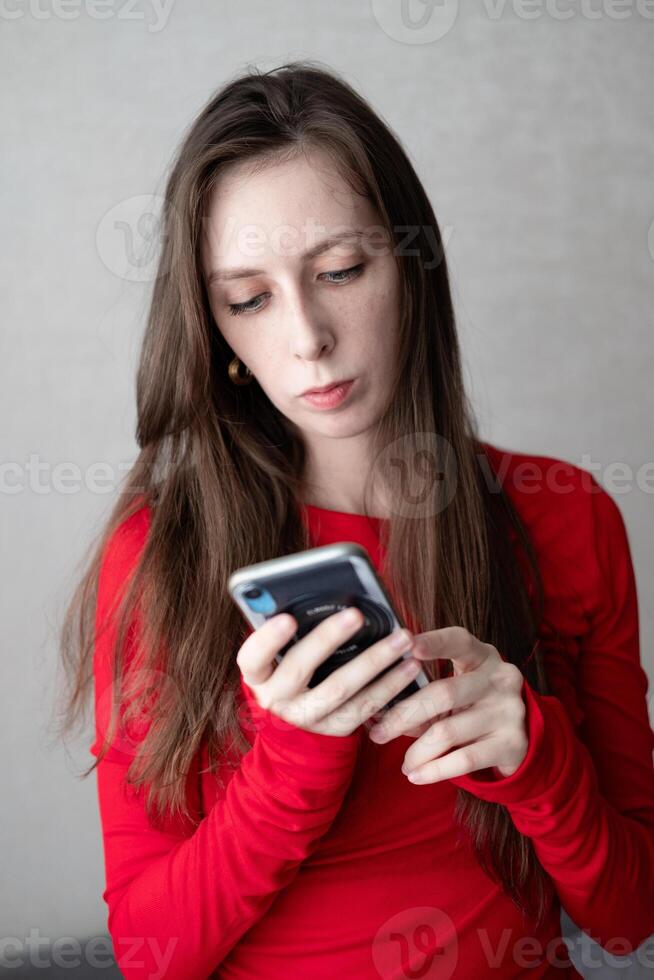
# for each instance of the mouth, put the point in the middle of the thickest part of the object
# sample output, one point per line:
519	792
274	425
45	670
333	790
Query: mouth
329	387
331	397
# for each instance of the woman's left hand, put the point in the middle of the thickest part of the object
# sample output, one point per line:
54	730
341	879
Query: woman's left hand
479	711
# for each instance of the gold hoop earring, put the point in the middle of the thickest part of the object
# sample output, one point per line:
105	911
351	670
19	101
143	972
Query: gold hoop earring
235	377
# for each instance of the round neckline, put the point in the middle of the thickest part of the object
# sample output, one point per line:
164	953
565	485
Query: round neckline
343	513
327	512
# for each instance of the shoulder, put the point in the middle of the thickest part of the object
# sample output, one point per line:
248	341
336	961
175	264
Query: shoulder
119	558
128	539
573	521
122	551
542	486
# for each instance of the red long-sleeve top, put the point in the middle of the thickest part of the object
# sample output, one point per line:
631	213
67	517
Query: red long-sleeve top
315	857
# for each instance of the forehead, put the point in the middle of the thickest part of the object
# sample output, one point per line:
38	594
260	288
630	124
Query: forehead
281	207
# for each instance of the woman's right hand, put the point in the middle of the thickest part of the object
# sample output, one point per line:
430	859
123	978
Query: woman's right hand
342	701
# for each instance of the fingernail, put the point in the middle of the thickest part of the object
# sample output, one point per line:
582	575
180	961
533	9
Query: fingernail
378	735
400	640
350	616
415	777
282	622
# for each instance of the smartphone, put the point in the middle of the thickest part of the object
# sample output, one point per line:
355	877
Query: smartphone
314	584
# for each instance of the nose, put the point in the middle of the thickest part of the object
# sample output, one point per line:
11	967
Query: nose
310	333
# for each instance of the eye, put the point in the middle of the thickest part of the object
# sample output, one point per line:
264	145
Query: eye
236	308
349	273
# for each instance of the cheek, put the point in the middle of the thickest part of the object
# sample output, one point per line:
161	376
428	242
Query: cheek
223	326
235	335
270	373
382	332
382	308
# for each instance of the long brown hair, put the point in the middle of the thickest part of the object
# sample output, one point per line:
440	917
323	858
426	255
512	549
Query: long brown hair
221	470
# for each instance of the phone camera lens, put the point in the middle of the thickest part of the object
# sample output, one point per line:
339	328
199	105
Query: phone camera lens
252	593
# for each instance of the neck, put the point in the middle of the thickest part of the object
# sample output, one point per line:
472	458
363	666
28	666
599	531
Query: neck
346	498
335	473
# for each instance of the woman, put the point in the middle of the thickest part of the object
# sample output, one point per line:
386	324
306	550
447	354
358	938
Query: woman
247	831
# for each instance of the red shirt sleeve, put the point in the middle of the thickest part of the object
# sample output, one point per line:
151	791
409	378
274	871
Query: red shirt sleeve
181	894
588	804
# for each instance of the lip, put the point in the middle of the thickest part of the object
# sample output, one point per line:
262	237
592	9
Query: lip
332	397
319	391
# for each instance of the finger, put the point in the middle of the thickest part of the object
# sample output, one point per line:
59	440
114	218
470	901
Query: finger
382	690
349	679
417	732
436	698
457	644
467	758
448	733
421	729
356	710
256	655
298	664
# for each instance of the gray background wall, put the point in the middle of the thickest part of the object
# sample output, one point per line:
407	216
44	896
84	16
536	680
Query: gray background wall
533	133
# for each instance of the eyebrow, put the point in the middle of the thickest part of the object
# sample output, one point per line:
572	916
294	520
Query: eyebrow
318	249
